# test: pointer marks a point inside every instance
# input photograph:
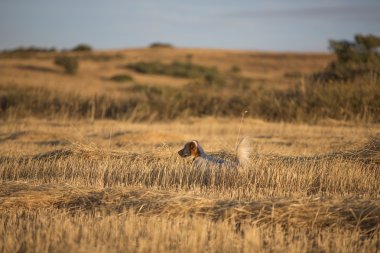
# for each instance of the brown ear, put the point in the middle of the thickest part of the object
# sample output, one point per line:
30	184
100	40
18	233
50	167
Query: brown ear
193	148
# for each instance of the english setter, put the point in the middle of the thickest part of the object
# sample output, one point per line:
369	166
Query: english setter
203	160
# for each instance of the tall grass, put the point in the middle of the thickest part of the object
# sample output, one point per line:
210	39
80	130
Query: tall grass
310	102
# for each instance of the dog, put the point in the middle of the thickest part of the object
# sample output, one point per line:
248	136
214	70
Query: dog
203	160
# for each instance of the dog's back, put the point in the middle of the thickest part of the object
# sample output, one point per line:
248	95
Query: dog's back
242	152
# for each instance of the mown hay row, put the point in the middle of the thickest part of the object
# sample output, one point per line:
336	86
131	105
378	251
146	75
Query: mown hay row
304	212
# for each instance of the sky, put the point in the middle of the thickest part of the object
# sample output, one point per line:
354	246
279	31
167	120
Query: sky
281	25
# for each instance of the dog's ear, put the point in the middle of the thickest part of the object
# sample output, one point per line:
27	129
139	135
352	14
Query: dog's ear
194	148
192	145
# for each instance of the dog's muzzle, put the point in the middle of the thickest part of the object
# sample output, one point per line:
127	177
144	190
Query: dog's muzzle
183	153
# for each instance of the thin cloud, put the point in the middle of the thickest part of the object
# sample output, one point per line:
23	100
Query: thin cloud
352	12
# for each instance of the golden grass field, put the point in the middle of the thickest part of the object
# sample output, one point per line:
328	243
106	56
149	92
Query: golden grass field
88	185
268	68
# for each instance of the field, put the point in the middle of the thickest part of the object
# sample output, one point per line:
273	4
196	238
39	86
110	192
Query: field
77	176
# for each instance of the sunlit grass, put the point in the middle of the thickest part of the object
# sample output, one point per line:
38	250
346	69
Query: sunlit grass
111	186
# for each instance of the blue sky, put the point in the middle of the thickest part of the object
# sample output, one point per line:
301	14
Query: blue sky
287	25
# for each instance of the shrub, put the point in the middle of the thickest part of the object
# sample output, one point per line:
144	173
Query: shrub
121	78
26	52
235	69
161	45
353	59
82	48
70	64
179	69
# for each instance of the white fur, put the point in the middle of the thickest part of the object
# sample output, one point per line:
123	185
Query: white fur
243	151
206	161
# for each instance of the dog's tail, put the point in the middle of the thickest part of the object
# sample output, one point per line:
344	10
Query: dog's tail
243	151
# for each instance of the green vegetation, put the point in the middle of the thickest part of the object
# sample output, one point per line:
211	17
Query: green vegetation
32	51
353	59
179	69
161	45
82	48
235	69
26	52
121	78
100	57
29	50
69	63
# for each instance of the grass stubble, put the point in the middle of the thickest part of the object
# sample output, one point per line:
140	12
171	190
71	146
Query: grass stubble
113	186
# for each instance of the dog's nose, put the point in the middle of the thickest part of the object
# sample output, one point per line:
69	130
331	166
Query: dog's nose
182	153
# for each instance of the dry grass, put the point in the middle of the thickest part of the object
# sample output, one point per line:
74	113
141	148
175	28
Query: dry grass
275	87
56	231
354	213
69	184
264	68
111	186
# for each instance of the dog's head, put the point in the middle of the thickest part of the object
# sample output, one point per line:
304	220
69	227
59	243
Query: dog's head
190	149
